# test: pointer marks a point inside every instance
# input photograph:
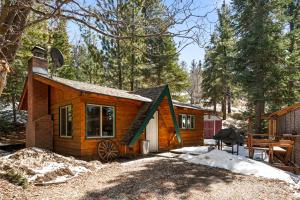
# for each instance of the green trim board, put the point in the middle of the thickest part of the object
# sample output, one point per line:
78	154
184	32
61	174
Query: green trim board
173	116
153	108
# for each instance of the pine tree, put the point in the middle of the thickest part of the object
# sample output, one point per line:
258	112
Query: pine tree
292	72
195	78
89	67
37	35
161	65
220	61
60	39
211	83
260	58
225	55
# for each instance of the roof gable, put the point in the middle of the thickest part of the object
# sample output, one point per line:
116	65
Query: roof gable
147	111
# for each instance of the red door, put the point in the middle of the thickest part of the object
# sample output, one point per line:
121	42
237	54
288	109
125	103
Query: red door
218	126
208	129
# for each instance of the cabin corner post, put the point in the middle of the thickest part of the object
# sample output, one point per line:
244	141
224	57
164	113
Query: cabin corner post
38	117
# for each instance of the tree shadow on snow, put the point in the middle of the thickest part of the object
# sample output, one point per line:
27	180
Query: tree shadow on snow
159	178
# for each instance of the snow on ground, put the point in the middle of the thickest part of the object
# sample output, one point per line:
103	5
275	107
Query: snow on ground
44	167
259	154
209	142
192	150
242	165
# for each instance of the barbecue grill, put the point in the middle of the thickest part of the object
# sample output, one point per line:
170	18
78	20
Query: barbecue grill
230	137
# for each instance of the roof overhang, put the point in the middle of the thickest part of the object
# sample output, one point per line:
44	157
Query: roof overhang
284	110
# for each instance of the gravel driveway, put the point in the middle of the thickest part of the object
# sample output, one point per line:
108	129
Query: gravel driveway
155	178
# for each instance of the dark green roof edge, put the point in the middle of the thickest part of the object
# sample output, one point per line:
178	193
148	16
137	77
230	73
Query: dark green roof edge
173	115
154	106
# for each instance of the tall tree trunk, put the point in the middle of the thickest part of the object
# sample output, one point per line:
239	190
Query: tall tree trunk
259	104
120	71
192	98
224	107
132	72
259	111
13	102
13	18
132	51
228	101
215	106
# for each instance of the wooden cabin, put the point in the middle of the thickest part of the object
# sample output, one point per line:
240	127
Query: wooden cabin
72	117
285	123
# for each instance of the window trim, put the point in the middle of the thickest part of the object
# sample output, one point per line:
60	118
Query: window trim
186	124
100	135
185	127
194	121
59	121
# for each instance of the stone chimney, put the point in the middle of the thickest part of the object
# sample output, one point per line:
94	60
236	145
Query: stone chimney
39	118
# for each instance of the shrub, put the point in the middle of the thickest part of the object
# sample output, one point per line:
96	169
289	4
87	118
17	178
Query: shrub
15	178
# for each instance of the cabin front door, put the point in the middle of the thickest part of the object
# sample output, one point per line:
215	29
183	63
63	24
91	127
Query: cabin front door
152	133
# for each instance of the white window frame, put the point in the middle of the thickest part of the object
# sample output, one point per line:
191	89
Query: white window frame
67	107
192	117
114	122
183	121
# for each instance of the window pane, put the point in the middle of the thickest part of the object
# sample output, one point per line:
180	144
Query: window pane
192	121
183	121
62	122
69	121
107	121
93	120
180	121
188	121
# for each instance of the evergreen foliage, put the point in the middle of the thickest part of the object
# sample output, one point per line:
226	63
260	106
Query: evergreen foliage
219	63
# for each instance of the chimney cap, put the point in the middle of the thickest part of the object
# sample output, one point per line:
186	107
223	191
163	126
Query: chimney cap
38	51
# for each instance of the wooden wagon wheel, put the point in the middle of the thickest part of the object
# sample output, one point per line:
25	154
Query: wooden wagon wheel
107	150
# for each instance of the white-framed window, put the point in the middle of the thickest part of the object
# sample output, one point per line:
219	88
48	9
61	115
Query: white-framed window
186	121
100	121
182	121
65	121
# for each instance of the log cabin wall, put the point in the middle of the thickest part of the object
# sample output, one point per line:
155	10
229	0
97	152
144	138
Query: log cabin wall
289	123
166	131
62	97
125	112
192	137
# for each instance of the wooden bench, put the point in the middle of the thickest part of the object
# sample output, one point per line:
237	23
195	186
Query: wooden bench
281	148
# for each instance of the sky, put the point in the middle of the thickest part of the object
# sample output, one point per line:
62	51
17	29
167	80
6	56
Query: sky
193	50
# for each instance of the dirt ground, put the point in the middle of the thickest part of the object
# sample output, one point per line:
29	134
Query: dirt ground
155	178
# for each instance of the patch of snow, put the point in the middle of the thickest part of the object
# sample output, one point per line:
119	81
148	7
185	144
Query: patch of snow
242	165
209	142
51	166
142	160
259	154
168	155
192	150
45	167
